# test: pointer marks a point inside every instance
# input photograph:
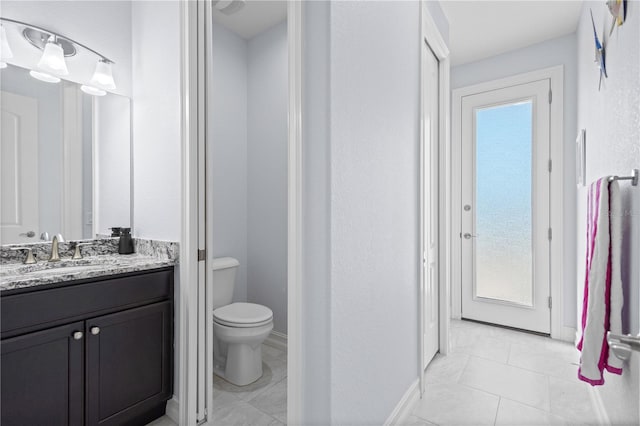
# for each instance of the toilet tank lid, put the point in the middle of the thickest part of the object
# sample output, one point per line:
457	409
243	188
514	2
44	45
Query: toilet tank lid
224	262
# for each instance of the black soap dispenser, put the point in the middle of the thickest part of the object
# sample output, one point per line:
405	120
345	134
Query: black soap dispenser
125	245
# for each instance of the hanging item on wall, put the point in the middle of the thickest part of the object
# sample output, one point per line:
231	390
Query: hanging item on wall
618	9
581	157
600	55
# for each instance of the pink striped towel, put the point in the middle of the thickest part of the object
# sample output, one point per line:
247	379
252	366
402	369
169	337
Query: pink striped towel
603	298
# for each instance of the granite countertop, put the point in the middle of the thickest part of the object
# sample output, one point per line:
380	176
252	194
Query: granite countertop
14	276
101	259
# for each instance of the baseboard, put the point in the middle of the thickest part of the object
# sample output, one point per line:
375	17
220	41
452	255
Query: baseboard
598	406
277	340
173	410
400	414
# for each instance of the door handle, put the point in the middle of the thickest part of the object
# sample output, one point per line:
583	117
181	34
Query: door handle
77	335
468	236
95	330
29	234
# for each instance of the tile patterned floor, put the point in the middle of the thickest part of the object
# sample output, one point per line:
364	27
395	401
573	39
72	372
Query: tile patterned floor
495	376
262	403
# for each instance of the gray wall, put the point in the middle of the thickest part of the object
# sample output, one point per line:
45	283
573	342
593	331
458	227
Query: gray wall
360	203
375	98
267	172
611	117
228	142
559	51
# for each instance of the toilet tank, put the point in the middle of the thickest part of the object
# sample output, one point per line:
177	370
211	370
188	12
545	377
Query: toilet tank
224	279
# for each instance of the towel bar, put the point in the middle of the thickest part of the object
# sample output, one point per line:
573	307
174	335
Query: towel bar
623	345
635	174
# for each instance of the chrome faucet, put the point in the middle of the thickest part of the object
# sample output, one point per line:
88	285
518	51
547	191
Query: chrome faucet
55	255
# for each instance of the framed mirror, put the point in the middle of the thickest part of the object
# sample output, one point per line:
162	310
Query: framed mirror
65	160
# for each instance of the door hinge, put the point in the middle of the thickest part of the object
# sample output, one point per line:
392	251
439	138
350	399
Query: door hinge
550	95
202	255
550	165
550	302
550	234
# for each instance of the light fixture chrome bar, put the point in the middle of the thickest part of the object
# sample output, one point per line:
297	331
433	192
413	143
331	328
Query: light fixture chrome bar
60	38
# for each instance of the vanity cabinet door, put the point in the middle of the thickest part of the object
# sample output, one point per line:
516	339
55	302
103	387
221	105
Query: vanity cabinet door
42	377
129	365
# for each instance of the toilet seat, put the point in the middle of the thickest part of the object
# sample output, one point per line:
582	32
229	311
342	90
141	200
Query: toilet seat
243	315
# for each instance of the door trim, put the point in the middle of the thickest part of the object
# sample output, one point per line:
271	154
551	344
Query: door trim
193	133
430	35
295	365
556	193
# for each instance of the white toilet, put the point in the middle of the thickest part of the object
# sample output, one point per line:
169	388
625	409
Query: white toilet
238	328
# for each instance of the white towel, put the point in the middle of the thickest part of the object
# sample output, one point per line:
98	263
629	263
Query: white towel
603	298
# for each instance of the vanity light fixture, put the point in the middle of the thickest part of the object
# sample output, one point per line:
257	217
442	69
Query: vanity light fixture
55	48
52	59
5	52
43	76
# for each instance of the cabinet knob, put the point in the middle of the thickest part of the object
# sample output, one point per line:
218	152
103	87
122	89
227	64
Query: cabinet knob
95	330
77	335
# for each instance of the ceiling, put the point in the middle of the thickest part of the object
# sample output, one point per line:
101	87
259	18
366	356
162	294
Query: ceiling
480	29
255	17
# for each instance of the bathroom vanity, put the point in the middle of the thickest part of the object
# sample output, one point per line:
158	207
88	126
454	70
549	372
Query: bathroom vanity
89	351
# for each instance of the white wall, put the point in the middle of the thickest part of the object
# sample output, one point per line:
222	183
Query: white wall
611	117
156	119
374	115
559	51
267	161
227	139
112	164
104	26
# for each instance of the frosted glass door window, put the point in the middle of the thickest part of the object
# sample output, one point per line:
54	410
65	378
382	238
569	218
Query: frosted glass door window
504	205
503	222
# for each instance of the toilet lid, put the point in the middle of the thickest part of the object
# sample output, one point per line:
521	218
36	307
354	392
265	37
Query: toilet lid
242	314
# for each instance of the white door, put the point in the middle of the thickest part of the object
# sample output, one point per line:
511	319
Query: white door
19	162
430	205
505	206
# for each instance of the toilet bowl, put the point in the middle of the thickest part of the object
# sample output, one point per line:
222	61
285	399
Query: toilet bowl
239	329
237	344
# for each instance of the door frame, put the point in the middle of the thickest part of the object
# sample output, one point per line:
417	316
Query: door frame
556	202
193	34
430	35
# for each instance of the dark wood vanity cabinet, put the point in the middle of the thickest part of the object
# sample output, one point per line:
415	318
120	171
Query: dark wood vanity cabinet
110	363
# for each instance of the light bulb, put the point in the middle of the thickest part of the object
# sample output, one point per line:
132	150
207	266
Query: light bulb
43	76
52	59
103	76
93	91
